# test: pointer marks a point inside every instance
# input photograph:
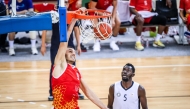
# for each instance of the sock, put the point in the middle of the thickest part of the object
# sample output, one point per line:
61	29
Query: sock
113	39
11	44
33	43
138	38
158	36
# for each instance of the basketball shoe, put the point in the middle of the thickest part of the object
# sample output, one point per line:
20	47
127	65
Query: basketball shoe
34	51
138	46
11	52
158	44
187	34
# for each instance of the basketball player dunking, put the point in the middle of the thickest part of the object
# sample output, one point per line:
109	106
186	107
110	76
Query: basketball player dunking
127	94
66	79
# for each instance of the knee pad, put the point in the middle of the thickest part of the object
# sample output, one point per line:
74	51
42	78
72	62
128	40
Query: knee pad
32	35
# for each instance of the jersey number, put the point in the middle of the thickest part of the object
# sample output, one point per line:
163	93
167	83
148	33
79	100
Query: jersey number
125	97
145	3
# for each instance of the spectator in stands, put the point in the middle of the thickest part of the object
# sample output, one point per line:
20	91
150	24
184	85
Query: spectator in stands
22	6
3	36
55	40
141	14
111	6
185	14
73	6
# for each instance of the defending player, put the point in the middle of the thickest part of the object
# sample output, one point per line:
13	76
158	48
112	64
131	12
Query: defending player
127	94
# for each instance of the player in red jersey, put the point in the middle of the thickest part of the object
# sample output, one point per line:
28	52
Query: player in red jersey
66	79
111	6
184	7
141	14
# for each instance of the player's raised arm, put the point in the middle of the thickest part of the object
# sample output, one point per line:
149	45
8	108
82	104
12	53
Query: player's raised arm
60	57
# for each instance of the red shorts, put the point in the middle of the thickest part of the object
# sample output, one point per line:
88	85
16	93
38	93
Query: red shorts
146	21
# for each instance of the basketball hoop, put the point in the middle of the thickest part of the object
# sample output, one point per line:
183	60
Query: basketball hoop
90	23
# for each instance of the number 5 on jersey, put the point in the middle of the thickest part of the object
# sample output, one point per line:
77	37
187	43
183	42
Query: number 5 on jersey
125	97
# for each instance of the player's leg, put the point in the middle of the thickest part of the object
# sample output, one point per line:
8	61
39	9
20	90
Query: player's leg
33	42
11	44
3	38
139	22
161	22
115	30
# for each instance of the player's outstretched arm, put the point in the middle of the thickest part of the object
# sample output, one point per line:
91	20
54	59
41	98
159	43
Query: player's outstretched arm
90	95
142	97
111	97
60	61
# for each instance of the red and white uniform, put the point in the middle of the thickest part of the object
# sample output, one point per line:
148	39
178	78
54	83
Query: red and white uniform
103	4
66	88
141	5
44	7
185	5
144	6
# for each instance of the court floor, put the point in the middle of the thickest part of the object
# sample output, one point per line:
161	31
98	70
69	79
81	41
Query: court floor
24	85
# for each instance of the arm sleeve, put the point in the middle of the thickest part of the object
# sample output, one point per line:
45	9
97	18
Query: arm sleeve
29	4
181	5
132	3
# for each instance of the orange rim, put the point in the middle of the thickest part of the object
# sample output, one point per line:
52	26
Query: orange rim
78	14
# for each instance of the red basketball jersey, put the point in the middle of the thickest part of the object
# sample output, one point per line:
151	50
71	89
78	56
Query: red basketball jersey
65	89
44	7
141	5
103	4
184	4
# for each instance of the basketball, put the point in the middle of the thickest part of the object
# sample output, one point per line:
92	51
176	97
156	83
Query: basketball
103	31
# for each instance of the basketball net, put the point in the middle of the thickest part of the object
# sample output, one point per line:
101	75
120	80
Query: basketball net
87	26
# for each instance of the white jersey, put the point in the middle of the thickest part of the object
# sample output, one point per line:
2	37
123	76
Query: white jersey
126	98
